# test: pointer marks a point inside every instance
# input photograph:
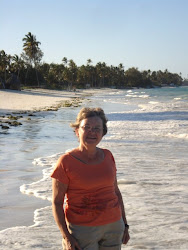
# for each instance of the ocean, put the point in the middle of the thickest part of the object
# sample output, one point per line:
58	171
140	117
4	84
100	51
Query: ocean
148	136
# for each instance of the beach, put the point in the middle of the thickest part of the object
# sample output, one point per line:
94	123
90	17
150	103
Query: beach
147	134
36	99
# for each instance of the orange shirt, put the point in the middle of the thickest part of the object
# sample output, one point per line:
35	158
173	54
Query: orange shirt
90	199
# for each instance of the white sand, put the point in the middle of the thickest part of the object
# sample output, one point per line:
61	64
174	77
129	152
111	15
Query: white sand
35	99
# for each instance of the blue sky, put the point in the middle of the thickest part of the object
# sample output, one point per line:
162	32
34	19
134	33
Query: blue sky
147	34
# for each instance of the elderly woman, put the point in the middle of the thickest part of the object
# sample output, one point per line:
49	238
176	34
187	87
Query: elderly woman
94	216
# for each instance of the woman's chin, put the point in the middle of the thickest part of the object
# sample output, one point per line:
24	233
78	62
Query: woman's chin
91	141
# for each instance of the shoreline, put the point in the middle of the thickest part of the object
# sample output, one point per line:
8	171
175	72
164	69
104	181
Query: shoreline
16	106
37	99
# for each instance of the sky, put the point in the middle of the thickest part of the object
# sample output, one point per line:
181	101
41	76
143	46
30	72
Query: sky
146	34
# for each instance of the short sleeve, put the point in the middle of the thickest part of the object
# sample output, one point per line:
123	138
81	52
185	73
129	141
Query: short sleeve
111	157
59	172
114	163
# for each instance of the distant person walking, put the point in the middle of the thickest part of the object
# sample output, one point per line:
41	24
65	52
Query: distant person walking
93	217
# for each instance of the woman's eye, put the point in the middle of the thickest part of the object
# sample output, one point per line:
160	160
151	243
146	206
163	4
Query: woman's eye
96	129
87	127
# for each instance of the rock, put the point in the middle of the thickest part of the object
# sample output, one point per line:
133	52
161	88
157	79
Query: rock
15	123
12	117
4	127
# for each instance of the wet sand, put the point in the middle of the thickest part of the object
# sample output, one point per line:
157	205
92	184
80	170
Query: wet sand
37	99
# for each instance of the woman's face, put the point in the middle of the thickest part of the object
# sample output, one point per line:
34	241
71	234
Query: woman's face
90	131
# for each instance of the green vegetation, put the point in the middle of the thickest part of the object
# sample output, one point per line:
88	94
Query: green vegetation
27	70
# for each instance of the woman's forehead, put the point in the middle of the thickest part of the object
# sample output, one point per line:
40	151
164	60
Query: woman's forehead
92	120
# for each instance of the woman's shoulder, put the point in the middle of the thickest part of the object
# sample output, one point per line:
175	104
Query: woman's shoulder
109	154
106	151
64	157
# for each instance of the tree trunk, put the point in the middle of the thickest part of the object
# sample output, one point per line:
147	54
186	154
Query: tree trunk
1	80
5	75
37	77
26	75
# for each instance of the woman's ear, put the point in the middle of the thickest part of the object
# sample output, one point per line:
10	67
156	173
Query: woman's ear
76	132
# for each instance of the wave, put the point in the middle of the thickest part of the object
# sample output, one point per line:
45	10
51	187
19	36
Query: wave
126	182
179	136
148	116
152	102
137	96
42	188
35	236
46	161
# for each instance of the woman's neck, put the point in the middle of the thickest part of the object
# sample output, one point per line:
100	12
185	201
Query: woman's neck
90	153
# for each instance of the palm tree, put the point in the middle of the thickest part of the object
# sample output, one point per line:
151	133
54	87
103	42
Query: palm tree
17	64
31	47
89	61
65	61
90	72
101	69
82	75
32	51
73	72
121	75
5	61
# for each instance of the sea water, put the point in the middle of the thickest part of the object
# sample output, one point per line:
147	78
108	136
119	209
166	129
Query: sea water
148	136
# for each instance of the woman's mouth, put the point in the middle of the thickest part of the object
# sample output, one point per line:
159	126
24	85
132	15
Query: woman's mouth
91	138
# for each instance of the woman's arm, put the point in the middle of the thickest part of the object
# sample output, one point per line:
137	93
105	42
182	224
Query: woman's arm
58	194
126	236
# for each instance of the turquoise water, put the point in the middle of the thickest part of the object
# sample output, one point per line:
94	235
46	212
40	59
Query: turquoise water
148	135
